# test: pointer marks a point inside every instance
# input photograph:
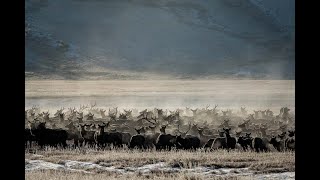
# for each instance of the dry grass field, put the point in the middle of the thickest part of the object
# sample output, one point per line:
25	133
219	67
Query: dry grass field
126	164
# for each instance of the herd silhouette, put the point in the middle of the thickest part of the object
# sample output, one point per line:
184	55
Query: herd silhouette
159	129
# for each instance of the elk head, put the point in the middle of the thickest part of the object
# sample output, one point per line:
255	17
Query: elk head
200	131
184	133
163	129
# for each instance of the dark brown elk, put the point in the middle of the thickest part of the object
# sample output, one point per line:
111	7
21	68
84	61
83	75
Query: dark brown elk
80	119
126	138
278	142
29	136
165	141
151	140
260	144
245	141
290	141
74	134
188	142
99	135
88	136
50	137
231	141
137	140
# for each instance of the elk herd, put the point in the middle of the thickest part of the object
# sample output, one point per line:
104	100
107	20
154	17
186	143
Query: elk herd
189	129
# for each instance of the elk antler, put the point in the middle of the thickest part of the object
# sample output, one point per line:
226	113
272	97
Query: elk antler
186	131
146	118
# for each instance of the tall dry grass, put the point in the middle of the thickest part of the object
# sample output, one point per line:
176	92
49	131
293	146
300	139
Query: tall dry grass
261	162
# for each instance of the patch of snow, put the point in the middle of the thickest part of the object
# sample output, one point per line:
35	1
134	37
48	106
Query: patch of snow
78	166
275	176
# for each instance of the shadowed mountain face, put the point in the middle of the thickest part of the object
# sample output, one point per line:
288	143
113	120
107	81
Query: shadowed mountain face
159	39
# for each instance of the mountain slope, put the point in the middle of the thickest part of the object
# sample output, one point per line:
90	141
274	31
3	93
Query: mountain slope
149	39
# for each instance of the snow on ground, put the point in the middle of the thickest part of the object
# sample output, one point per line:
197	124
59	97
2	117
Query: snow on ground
85	167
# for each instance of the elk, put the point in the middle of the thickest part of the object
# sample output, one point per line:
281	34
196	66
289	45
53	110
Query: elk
184	133
59	111
290	141
92	108
137	140
204	138
90	116
99	135
163	129
51	137
80	119
243	111
122	116
102	113
74	134
278	142
155	123
224	113
260	144
46	116
194	112
231	141
128	113
189	142
88	136
113	115
61	117
245	141
81	109
212	112
160	113
72	113
165	141
256	114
